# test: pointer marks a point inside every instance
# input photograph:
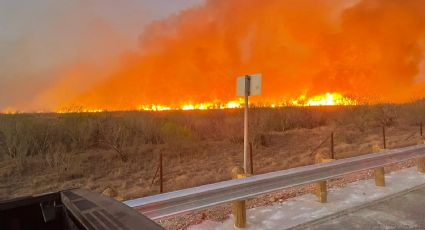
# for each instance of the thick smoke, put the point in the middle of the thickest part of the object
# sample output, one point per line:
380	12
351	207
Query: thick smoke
370	49
51	51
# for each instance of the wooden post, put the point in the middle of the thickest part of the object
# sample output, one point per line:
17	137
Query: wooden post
332	146
251	160
161	188
379	173
421	129
321	186
322	191
384	137
420	163
379	176
239	207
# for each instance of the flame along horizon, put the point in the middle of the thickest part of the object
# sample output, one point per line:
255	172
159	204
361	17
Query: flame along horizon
327	99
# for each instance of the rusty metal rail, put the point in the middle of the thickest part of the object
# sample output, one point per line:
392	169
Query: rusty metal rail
198	198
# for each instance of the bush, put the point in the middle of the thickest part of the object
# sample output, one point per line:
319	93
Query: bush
175	132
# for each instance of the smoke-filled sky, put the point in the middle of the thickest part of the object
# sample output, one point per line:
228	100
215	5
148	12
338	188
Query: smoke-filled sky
120	54
42	40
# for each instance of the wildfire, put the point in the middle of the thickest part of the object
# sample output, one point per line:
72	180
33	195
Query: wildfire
326	99
78	109
193	106
311	53
331	48
153	108
9	111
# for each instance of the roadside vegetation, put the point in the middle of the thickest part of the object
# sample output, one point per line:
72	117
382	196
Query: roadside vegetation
118	152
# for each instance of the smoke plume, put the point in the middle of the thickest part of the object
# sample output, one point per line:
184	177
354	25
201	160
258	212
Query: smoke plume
370	49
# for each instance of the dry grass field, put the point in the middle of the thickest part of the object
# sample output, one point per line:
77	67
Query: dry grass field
117	153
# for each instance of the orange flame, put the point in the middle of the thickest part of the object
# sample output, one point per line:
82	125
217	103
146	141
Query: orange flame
327	99
9	111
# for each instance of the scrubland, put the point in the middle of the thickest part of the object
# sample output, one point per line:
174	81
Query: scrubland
117	153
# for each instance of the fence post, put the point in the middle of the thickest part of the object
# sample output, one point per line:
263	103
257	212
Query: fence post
161	188
321	186
239	207
251	160
384	139
379	173
332	146
420	162
421	129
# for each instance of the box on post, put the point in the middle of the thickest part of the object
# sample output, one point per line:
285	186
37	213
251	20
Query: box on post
254	83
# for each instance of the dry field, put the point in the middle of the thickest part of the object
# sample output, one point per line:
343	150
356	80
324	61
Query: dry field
117	153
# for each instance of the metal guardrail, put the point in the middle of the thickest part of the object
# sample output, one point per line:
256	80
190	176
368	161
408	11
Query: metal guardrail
198	198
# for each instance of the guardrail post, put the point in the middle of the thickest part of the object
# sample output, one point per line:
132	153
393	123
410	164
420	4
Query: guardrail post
322	191
321	186
239	207
379	173
420	164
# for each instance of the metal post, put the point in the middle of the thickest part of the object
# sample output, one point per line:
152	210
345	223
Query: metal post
245	139
383	137
332	146
161	188
420	162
